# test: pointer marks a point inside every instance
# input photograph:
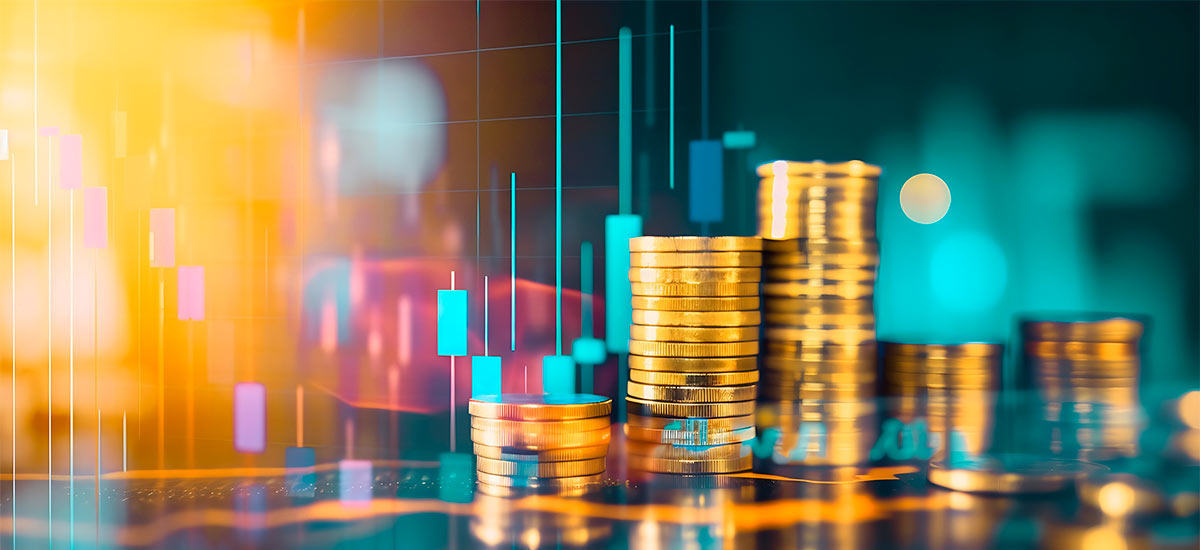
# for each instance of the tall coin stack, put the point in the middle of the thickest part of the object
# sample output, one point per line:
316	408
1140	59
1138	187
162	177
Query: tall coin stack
693	353
952	388
543	443
817	221
1085	369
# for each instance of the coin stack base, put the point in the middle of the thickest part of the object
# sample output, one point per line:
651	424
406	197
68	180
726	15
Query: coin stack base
540	443
693	375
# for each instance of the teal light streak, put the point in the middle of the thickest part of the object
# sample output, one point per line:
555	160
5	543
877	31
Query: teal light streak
512	293
585	287
671	122
558	177
625	131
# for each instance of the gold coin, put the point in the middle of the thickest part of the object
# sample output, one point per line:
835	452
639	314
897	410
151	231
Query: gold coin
695	259
692	394
776	376
818	246
666	303
818	306
689	437
573	468
1094	328
693	349
816	289
693	378
687	452
1086	369
651	333
521	406
792	259
694	244
542	426
689	410
935	351
707	425
680	466
943	365
858	366
511	492
552	455
693	364
811	320
817	351
837	336
539	482
698	318
695	275
695	289
812	390
833	273
827	170
538	442
1009	474
1087	351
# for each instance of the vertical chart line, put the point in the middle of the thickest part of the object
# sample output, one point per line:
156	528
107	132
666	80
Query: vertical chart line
71	358
558	177
703	69
453	427
671	111
12	218
49	345
485	315
299	415
625	122
512	291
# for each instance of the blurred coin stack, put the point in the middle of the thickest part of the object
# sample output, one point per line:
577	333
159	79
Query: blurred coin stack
1085	369
545	443
693	347
952	388
817	221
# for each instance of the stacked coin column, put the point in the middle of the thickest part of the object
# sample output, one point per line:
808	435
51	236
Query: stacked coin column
817	221
693	348
945	395
1086	372
542	443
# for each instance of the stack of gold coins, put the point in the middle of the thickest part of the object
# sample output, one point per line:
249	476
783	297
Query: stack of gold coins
498	522
544	443
1085	369
693	346
949	390
817	221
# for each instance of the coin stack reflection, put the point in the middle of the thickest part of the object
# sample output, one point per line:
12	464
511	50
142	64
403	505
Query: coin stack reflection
693	348
1085	369
951	387
544	443
817	221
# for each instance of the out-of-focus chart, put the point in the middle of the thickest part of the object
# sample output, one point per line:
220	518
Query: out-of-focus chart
599	274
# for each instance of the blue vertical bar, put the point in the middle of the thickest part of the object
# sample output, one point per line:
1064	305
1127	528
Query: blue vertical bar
705	188
618	308
625	124
301	477
585	288
485	375
452	322
558	374
671	115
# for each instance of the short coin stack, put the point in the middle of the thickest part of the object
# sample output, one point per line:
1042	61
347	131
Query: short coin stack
693	348
817	221
1085	369
550	443
951	387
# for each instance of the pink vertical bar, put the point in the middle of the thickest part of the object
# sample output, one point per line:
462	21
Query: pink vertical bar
95	217
249	417
70	161
162	237
190	297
